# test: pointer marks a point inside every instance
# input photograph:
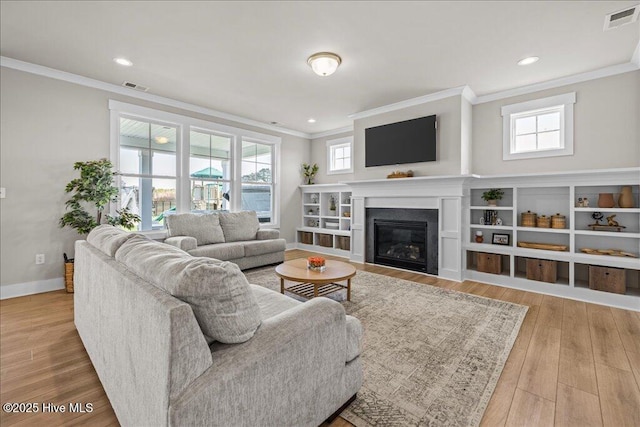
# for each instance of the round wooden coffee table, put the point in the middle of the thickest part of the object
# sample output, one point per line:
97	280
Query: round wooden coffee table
311	284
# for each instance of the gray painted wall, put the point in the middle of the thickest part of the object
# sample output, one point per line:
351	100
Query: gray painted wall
606	129
47	125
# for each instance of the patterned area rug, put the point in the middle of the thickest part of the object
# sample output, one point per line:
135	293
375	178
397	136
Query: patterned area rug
431	356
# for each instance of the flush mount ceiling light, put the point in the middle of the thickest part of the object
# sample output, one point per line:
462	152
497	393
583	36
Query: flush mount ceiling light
123	61
528	61
324	63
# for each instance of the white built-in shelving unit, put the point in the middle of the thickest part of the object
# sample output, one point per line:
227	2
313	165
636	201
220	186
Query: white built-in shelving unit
550	195
323	229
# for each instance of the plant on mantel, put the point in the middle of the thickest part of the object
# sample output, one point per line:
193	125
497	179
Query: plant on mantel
94	190
492	196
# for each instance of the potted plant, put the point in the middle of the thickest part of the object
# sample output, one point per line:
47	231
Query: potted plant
492	196
332	204
309	172
94	190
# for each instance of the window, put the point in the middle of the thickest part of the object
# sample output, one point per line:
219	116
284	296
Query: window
538	128
209	171
257	180
148	169
169	163
339	155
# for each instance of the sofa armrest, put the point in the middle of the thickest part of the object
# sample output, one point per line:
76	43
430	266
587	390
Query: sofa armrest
297	357
354	338
186	243
268	234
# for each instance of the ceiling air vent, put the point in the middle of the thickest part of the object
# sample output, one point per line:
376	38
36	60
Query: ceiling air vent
135	86
621	17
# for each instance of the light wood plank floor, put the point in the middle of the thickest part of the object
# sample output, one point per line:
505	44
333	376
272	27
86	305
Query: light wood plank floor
573	363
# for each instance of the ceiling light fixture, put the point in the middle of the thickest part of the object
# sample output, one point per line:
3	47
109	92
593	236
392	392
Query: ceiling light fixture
324	63
161	139
311	120
528	61
123	61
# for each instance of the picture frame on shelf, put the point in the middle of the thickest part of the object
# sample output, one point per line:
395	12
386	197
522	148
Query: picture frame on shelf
500	239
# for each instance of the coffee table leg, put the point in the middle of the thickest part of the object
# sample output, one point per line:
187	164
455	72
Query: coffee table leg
281	285
348	289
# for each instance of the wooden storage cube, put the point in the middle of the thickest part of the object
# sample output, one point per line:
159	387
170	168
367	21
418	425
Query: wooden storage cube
608	279
489	263
306	237
343	242
325	240
542	270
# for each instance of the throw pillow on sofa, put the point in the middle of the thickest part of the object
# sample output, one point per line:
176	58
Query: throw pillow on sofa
239	226
204	227
217	291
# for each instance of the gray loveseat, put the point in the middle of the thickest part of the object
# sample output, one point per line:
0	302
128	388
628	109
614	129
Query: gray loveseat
187	341
227	236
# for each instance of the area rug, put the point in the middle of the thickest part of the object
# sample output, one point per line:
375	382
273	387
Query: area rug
431	356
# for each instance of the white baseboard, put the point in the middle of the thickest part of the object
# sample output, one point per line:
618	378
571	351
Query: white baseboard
291	246
30	288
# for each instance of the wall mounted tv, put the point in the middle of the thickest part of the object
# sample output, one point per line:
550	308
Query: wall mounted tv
410	141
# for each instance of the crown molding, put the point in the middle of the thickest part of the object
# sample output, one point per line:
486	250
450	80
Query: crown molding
448	93
563	81
332	132
113	88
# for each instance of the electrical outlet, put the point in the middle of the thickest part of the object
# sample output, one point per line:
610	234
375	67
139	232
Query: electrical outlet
39	259
3	192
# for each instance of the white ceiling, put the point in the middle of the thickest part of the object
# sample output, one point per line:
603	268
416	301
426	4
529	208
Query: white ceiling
249	58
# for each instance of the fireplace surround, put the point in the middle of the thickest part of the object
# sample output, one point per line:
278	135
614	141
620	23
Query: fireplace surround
404	238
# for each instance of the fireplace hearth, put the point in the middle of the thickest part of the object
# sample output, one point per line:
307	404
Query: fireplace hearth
403	238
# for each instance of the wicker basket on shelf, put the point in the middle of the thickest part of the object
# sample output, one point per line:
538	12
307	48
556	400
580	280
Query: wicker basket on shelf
68	274
543	221
558	221
528	219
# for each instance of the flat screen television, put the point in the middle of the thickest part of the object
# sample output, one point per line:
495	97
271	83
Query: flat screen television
410	141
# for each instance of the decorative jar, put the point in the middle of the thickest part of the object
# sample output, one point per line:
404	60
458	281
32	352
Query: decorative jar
605	200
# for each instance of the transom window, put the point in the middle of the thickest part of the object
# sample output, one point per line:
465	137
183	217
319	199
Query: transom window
169	163
539	128
339	155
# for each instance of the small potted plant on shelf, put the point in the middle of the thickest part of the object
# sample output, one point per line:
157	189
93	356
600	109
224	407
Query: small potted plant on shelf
332	205
492	196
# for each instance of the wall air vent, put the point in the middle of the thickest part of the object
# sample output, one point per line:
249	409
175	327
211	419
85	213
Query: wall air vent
135	86
621	17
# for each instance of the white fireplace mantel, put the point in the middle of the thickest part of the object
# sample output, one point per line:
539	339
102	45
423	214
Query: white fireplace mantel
443	193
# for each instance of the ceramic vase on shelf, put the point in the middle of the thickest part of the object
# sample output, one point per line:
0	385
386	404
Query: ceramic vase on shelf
626	198
605	200
479	237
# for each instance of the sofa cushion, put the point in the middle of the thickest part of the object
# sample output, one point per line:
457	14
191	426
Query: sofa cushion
204	227
108	238
221	251
272	303
217	291
261	247
238	226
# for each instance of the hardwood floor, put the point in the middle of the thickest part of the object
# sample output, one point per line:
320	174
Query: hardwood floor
573	363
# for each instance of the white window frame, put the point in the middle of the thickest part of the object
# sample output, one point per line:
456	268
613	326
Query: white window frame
331	146
185	124
510	113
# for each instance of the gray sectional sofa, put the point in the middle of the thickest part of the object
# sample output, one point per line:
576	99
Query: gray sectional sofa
227	236
186	341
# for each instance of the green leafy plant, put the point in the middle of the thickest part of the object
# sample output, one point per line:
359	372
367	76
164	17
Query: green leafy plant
493	194
309	172
94	190
332	203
